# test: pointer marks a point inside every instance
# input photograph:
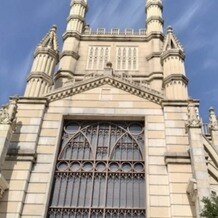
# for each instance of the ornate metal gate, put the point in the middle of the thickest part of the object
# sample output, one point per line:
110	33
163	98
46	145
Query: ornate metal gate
100	171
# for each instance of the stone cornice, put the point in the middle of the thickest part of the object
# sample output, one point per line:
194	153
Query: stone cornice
155	35
21	155
77	17
81	2
155	18
149	4
31	100
70	53
74	34
172	103
48	51
153	55
177	158
175	77
64	74
121	38
41	75
119	83
173	53
154	75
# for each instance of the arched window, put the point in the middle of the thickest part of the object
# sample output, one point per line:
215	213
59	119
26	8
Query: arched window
100	171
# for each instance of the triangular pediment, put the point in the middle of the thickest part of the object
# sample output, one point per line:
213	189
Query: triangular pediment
120	83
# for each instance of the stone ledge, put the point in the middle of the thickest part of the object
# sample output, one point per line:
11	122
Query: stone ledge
30	100
175	77
153	55
40	75
177	158
70	53
21	155
180	103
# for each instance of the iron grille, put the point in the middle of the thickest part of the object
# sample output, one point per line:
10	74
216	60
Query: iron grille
100	171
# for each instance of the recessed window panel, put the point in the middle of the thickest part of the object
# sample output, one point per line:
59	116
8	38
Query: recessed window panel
100	171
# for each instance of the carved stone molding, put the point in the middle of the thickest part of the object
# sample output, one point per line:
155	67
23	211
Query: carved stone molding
99	80
48	51
78	17
40	75
153	55
193	116
213	123
70	53
175	78
154	3
81	2
21	155
107	37
172	54
8	112
74	34
155	18
177	158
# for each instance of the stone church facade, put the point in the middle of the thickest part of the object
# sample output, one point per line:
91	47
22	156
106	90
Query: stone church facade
111	133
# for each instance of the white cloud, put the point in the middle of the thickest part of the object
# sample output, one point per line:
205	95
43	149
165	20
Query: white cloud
185	19
114	13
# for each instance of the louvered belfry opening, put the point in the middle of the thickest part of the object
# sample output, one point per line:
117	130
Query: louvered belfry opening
100	171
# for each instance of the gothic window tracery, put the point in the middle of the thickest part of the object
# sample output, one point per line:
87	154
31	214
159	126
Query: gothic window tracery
100	171
98	56
126	58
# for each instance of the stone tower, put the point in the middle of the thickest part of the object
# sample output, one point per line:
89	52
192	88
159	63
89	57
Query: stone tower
106	127
46	57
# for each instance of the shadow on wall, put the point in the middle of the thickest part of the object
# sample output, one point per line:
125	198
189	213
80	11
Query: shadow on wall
12	172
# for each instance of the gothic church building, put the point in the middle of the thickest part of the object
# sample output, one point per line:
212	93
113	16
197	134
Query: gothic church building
106	128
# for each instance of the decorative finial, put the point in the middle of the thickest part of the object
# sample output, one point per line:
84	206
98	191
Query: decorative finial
211	109
169	29
193	116
8	112
54	28
213	123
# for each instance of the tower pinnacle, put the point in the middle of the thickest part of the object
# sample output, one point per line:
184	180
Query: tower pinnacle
76	19
70	56
173	57
154	10
45	59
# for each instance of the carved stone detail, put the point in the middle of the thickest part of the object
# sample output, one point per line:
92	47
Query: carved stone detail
8	112
192	189
213	123
117	81
193	116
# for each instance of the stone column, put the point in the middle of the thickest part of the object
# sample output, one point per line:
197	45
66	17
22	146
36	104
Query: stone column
198	160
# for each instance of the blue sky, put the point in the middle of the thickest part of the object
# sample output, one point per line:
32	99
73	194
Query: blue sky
24	22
